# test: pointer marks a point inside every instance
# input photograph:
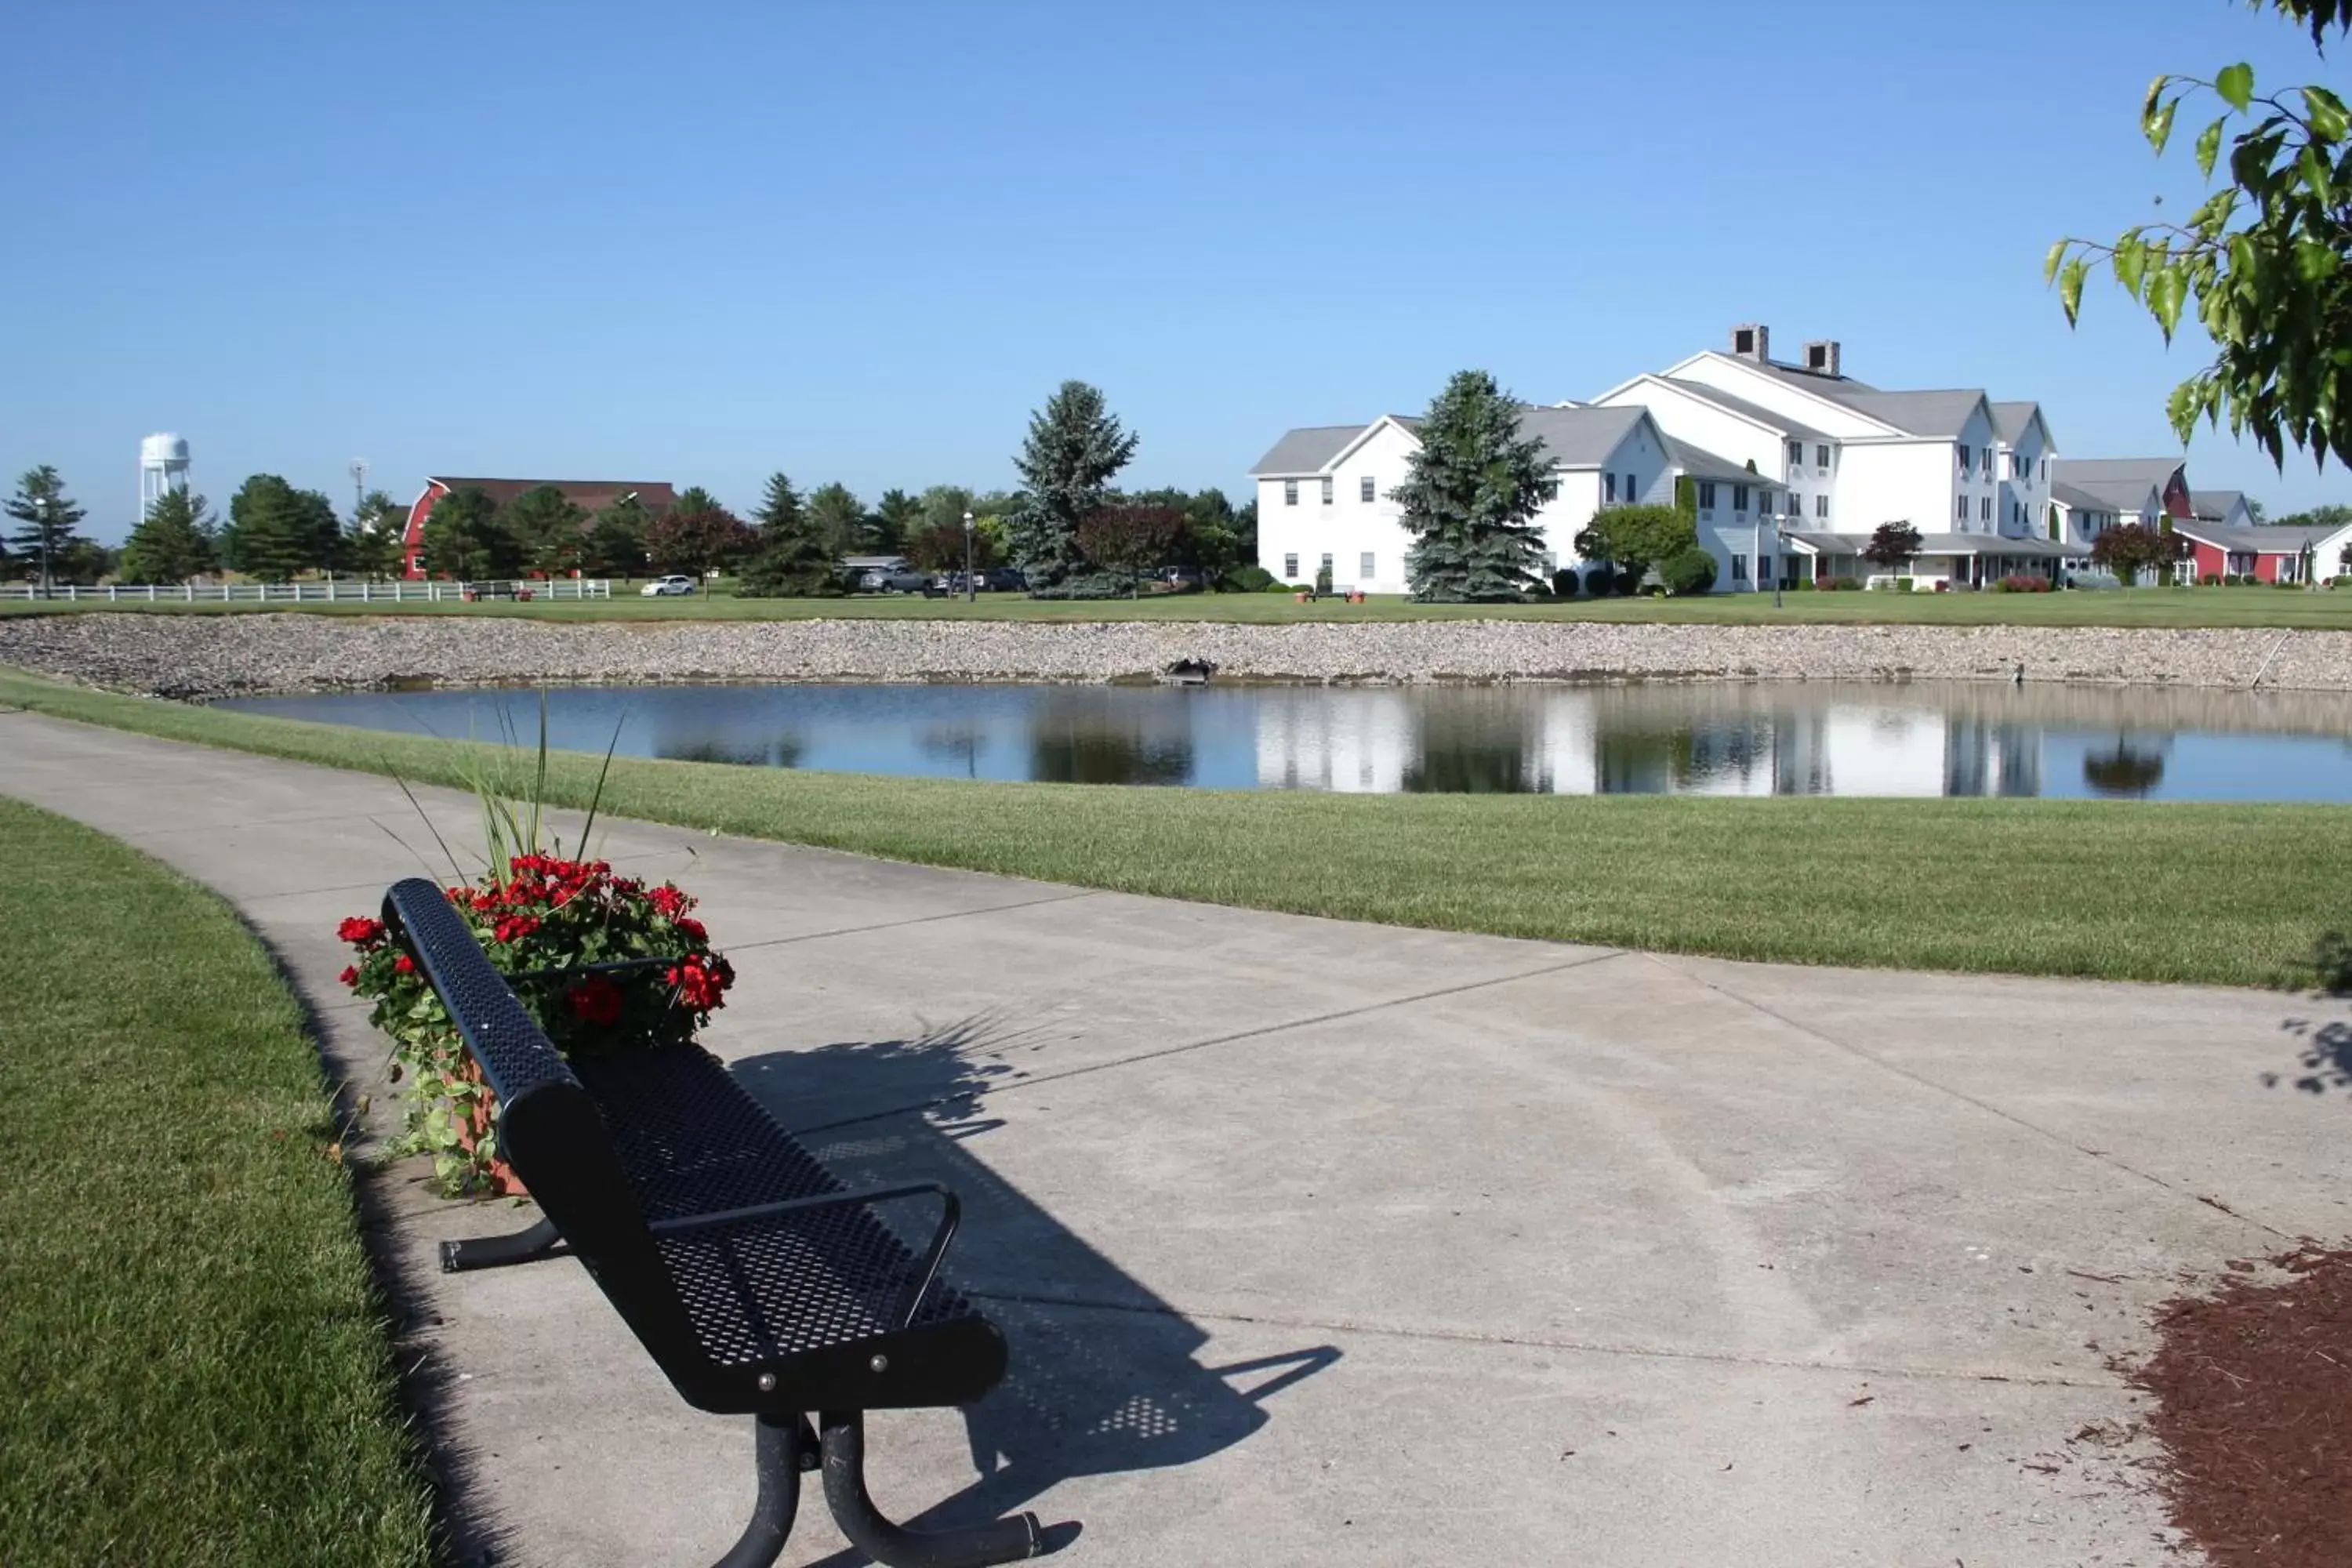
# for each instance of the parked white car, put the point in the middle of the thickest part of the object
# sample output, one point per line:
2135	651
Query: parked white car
662	586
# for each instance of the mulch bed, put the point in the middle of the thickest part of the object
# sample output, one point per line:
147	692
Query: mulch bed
2253	1387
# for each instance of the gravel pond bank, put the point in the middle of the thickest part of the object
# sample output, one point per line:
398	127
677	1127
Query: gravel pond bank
207	657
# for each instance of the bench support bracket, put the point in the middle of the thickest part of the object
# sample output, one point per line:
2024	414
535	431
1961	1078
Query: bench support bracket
497	1251
844	1446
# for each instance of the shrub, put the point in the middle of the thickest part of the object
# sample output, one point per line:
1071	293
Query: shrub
1627	583
540	912
1801	584
1246	579
2022	583
1598	581
1275	585
1299	588
1905	586
1323	578
2283	584
1845	583
1688	571
1563	582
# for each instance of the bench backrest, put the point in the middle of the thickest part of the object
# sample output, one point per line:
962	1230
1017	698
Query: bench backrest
549	1128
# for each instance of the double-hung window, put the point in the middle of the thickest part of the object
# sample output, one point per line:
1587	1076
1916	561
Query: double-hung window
1706	495
1821	506
1364	564
1290	568
1290	492
1967	458
1326	490
1365	489
1739	498
1609	488
1821	458
1796	453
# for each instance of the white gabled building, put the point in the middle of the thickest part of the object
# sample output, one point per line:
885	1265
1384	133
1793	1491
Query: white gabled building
1793	466
1324	493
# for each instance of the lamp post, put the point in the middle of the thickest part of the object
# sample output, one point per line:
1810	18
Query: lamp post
1779	553
970	590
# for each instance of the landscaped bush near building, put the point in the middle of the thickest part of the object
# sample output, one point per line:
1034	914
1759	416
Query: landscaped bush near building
537	913
1600	581
1563	582
2022	583
1688	571
1627	583
1247	580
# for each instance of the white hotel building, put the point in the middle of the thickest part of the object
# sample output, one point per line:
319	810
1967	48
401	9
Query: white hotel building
1793	466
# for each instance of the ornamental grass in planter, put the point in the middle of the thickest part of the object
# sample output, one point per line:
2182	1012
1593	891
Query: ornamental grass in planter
554	926
546	922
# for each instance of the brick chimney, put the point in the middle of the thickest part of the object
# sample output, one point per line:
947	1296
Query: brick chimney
1823	355
1752	341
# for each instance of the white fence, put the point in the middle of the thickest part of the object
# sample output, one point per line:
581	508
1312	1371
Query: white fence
327	593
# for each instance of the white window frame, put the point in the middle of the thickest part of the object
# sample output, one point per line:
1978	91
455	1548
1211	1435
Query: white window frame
1290	492
1290	568
1329	485
1367	562
1365	491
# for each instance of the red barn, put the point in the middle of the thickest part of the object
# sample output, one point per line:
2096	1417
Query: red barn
589	495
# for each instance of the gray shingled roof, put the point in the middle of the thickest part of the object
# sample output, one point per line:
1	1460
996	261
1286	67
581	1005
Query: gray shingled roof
1754	411
2215	504
2118	484
1940	415
2267	539
1305	451
1704	465
1580	437
2075	496
1946	544
2009	420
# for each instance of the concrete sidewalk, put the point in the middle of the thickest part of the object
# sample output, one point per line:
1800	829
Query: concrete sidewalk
1323	1243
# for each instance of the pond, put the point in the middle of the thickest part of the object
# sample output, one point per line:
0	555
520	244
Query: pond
1717	738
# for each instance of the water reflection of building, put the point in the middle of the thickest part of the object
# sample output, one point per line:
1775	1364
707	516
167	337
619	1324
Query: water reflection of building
1351	741
1697	741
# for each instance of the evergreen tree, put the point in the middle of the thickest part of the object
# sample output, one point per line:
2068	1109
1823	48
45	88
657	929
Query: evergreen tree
897	517
372	545
616	541
172	543
47	516
838	517
694	498
1470	496
549	529
466	539
321	531
1074	449
793	557
272	530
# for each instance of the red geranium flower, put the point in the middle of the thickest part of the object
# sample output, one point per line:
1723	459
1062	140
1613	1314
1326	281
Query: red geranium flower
691	927
595	1000
403	965
669	900
514	928
349	977
359	931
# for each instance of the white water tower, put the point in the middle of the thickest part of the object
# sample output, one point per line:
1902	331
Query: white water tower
162	466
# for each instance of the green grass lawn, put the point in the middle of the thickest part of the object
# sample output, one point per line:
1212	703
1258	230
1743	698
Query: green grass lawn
2124	607
2230	894
193	1353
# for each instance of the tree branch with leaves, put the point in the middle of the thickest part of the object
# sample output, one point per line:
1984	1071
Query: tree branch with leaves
2266	258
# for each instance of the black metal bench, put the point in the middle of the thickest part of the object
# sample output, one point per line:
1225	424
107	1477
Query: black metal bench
756	1282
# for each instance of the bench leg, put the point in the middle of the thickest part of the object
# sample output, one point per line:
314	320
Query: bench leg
782	1442
844	1444
497	1251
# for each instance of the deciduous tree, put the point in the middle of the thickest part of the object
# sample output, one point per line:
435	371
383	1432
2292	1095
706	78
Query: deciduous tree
173	543
1074	449
1131	540
2264	257
1892	545
1636	538
45	518
838	517
705	540
941	548
2127	547
1470	496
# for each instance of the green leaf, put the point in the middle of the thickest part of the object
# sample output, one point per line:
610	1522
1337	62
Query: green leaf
2325	112
2236	86
2316	174
2168	290
2131	262
2208	147
2050	263
2070	288
2148	105
2158	126
2313	261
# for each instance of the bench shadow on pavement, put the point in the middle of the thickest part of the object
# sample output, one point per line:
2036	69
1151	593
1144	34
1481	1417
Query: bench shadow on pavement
1105	1376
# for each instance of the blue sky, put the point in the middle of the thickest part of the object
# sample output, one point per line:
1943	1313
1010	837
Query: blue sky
702	241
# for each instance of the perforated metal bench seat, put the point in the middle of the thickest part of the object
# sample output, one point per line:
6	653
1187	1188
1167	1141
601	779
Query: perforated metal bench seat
756	1280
